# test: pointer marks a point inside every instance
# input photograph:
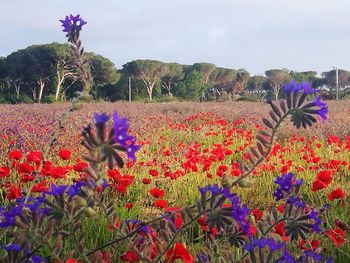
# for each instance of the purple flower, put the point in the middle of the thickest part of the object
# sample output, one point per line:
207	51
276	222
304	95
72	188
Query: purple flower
273	245
12	247
311	254
322	112
285	181
203	258
317	221
286	257
278	194
72	23
57	190
123	138
296	200
306	88
101	119
291	87
37	259
131	151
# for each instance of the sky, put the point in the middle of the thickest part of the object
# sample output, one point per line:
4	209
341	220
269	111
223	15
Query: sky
256	35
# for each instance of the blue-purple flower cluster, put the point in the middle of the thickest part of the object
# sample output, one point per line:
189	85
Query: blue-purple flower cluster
121	133
239	212
285	182
72	23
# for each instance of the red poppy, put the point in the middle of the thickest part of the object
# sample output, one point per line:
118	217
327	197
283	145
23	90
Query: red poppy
129	205
130	256
13	193
161	203
314	244
71	260
325	176
178	220
179	252
15	155
80	167
318	185
157	193
153	172
25	168
64	154
336	194
146	181
279	229
257	213
4	171
337	235
34	157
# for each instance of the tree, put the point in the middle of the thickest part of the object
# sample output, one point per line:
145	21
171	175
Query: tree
18	67
241	81
148	71
223	76
42	60
173	72
191	87
256	83
277	77
205	69
307	76
103	72
62	67
343	78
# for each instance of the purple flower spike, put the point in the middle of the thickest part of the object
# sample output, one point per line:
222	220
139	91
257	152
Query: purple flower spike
72	23
123	138
101	119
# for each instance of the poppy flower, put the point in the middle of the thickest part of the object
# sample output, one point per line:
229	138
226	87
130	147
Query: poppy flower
325	176
25	168
13	193
80	166
179	252
34	157
72	260
257	213
4	171
279	229
336	194
153	172
178	220
146	181
15	155
161	203
129	256
64	154
337	235
318	185
129	206
157	193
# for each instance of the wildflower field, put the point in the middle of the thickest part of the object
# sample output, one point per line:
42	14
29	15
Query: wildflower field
184	152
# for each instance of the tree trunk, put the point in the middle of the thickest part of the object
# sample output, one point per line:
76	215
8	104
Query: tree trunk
58	87
41	89
277	91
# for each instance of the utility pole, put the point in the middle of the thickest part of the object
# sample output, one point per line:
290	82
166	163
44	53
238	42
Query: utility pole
337	83
129	89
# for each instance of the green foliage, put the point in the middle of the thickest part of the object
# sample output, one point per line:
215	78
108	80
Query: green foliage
191	87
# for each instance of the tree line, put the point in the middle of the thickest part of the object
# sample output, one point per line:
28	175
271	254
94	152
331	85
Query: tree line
44	73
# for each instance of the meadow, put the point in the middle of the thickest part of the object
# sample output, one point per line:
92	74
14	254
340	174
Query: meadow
183	146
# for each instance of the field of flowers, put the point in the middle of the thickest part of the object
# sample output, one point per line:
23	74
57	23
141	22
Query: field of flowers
183	147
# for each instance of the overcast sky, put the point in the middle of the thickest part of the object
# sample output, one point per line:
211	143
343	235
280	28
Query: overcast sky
253	34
